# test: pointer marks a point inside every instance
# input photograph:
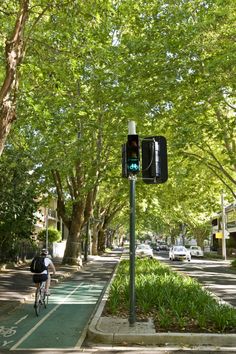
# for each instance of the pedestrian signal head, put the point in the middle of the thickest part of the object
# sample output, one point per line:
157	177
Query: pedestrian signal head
132	154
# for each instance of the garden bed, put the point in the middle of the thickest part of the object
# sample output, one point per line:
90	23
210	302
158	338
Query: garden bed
176	303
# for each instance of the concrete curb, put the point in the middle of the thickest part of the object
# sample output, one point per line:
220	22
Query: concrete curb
97	334
110	330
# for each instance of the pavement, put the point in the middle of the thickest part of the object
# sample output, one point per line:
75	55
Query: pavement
16	288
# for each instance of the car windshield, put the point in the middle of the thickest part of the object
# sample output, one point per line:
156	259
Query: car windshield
196	248
143	246
180	249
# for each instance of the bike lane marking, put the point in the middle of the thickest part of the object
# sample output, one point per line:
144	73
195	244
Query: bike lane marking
44	319
65	324
20	321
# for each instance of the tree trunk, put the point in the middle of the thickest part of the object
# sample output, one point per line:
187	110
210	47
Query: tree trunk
15	52
95	240
72	253
101	241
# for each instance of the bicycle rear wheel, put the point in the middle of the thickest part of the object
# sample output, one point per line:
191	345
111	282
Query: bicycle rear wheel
38	302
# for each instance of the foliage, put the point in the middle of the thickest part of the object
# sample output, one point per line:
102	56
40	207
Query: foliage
53	235
17	201
176	302
91	68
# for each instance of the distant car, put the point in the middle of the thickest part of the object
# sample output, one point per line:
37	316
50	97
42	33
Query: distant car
164	247
196	251
144	250
179	253
155	247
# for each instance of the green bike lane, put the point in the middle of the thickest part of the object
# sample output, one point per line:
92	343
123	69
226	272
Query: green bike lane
63	324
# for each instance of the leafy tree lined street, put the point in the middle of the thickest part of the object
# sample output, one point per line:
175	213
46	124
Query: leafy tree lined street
72	74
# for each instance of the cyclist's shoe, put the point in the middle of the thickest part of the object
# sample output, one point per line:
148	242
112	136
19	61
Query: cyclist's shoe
47	293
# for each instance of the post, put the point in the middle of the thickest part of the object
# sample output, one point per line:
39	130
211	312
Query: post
223	228
132	178
47	228
132	315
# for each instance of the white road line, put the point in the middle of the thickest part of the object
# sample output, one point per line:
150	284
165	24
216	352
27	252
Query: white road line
21	319
44	319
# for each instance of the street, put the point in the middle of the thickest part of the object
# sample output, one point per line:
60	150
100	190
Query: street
215	275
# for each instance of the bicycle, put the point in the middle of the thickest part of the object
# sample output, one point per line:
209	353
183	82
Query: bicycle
41	298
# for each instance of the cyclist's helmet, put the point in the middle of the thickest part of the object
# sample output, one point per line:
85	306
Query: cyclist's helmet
44	252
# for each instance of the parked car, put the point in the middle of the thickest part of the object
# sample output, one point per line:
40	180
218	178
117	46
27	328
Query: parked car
196	251
179	253
144	250
155	247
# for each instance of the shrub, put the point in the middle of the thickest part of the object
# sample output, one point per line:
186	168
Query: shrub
175	302
53	235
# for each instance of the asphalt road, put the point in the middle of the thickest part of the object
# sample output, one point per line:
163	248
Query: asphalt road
216	275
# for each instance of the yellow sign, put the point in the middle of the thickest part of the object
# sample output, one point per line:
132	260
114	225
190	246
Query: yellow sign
219	235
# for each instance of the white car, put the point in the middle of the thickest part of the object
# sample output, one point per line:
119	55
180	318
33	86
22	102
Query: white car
144	250
196	251
179	253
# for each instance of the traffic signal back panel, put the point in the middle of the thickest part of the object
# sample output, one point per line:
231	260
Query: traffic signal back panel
154	160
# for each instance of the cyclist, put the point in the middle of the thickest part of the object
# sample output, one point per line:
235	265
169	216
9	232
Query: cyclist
45	276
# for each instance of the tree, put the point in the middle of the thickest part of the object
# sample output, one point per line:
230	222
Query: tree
91	68
14	55
18	192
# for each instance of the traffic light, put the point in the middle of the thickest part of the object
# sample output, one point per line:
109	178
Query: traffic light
154	160
130	156
133	155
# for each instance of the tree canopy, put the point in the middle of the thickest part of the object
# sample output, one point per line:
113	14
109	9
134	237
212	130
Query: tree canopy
84	69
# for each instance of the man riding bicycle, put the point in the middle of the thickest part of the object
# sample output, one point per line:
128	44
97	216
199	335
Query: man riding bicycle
44	275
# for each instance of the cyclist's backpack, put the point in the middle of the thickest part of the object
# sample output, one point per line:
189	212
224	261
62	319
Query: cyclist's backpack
37	265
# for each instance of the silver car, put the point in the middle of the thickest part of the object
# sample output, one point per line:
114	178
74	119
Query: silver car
144	250
179	253
196	251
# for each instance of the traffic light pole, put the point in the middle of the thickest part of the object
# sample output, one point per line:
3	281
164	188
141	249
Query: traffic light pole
154	170
132	315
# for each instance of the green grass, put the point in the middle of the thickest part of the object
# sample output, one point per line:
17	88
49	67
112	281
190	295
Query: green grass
175	302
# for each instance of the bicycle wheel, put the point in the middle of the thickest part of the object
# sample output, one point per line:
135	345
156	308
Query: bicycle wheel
38	302
45	300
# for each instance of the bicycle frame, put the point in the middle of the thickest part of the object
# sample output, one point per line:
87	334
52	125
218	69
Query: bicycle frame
41	299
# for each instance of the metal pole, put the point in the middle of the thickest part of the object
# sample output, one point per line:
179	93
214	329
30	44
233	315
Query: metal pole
47	228
223	228
132	316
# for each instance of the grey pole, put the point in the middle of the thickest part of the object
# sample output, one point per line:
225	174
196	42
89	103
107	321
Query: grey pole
47	228
132	315
224	254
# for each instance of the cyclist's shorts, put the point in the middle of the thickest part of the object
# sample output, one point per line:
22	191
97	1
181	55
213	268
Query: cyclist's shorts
38	278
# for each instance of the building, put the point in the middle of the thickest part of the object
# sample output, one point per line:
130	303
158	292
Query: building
230	227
